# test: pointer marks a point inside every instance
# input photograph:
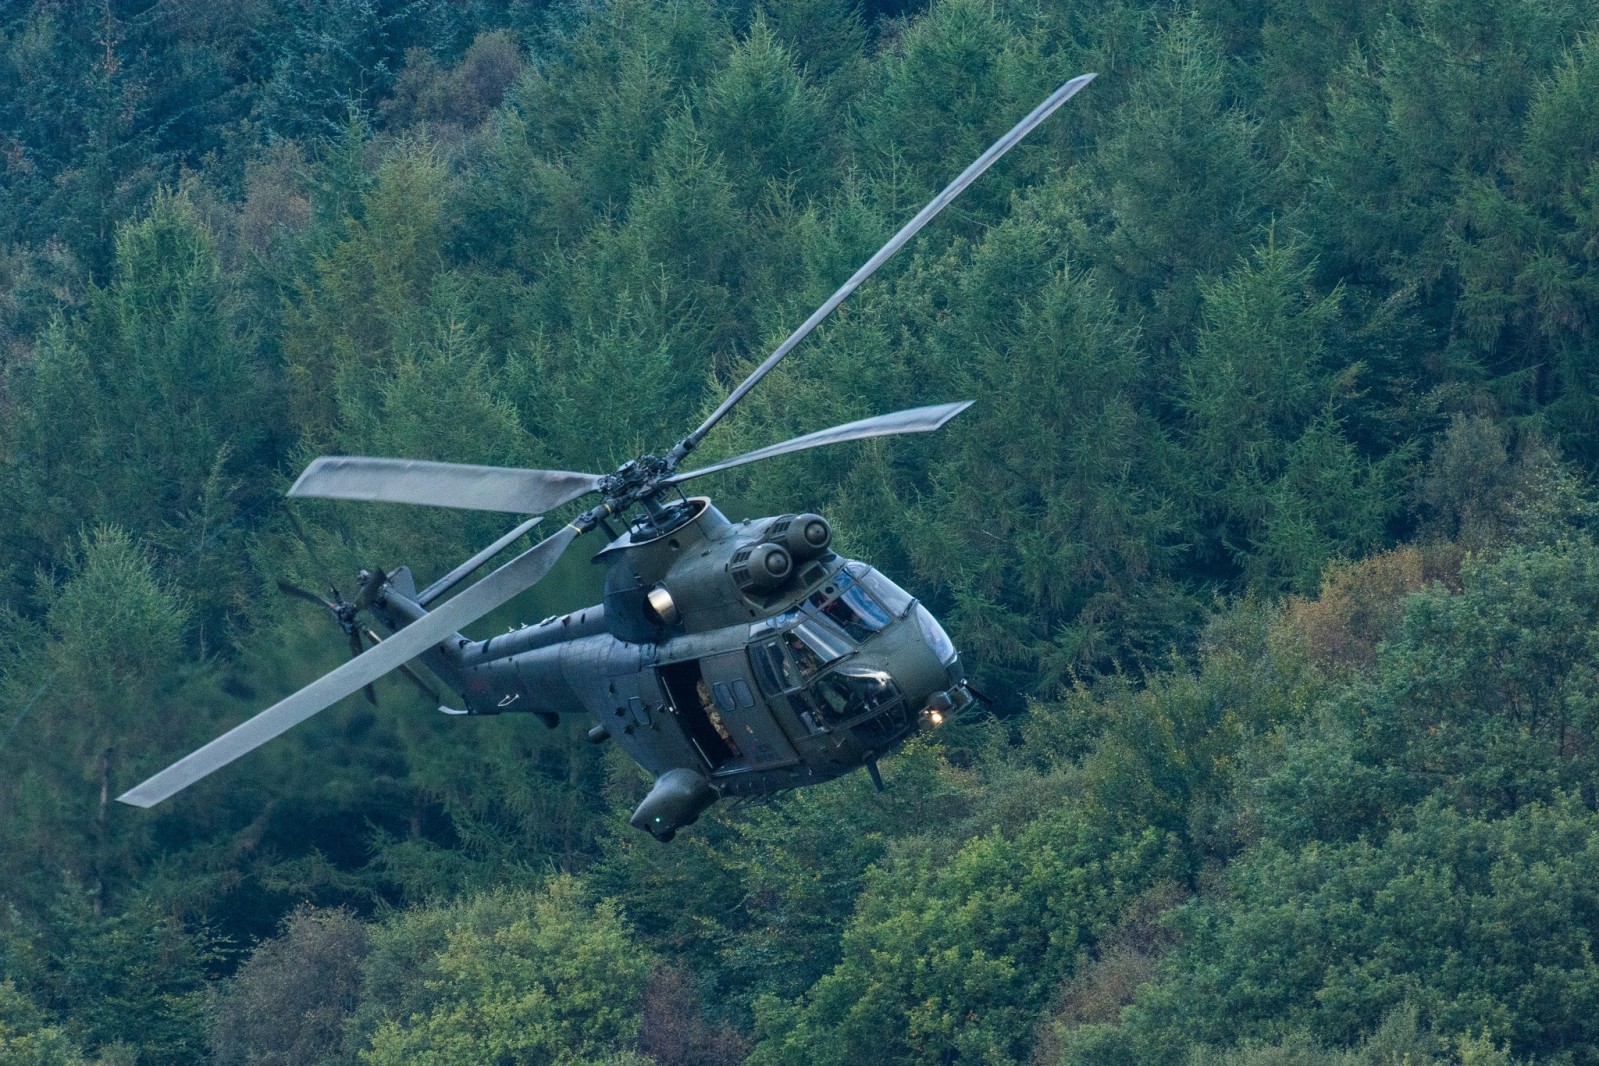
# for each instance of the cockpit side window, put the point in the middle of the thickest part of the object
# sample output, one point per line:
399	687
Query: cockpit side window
797	655
803	655
842	696
773	671
821	644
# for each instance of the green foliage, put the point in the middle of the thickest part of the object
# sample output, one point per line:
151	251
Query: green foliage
1435	98
26	1039
601	106
1182	183
1169	754
1440	914
514	797
1086	578
150	412
1279	488
765	121
760	900
133	980
344	54
370	291
961	76
96	684
950	956
1483	698
826	39
1400	1039
1289	283
555	983
1525	253
1478	495
287	1004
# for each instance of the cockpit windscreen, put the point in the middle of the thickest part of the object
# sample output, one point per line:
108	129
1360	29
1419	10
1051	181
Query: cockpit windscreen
852	609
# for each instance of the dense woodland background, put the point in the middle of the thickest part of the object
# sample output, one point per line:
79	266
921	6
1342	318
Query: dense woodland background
1272	528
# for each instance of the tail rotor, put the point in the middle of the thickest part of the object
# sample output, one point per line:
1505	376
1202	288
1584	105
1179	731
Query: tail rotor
347	614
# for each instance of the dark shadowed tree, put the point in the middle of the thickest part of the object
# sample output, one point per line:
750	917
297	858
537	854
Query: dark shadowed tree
287	1004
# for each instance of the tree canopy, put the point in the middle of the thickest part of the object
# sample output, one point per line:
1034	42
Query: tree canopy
1270	531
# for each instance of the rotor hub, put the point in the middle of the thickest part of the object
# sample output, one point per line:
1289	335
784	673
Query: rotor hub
638	481
635	479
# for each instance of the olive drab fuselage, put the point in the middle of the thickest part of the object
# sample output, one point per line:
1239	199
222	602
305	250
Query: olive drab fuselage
727	659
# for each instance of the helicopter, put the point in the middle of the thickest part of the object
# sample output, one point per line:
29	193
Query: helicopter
729	659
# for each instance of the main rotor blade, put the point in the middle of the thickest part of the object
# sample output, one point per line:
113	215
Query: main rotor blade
520	573
474	488
466	569
914	420
406	671
937	204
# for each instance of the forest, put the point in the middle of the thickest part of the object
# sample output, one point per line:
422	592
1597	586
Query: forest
1271	533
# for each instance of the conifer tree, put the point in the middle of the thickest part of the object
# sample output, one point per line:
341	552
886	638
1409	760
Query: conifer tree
150	412
1184	185
1276	484
95	688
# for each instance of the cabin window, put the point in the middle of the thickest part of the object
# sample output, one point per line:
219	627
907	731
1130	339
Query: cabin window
772	670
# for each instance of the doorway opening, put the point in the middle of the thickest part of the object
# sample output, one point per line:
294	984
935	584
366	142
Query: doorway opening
702	722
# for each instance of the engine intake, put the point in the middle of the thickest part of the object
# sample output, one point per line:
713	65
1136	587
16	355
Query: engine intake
761	567
806	536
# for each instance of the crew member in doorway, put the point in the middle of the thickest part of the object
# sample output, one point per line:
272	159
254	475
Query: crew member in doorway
715	715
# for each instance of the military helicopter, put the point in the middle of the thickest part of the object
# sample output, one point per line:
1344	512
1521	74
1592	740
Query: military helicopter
728	659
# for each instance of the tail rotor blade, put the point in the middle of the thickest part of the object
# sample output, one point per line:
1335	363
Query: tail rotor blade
519	574
304	594
914	420
473	488
355	653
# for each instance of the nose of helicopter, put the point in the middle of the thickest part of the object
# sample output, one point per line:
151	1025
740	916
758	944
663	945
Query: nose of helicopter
933	676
